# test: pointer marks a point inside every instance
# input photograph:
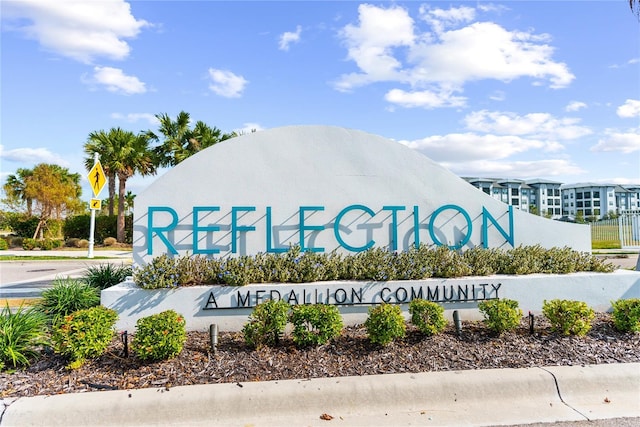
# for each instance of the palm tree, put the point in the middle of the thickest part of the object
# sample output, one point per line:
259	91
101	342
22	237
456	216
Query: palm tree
180	141
102	142
125	154
635	6
15	187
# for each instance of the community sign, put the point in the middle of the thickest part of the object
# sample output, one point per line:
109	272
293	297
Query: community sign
325	189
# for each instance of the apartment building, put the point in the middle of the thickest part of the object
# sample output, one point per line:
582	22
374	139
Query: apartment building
555	200
597	200
534	196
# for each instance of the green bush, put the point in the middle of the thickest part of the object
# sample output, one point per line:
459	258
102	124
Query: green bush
266	324
427	316
159	336
103	276
83	243
315	324
48	244
84	334
16	242
568	317
21	333
66	296
23	225
3	245
375	264
385	323
626	314
501	315
29	244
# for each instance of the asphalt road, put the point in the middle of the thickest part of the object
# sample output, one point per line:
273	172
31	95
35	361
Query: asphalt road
27	278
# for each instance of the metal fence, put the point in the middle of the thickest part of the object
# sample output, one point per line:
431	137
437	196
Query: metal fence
623	231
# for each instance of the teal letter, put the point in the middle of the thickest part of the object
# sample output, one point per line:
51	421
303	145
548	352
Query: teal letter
159	230
269	238
235	228
466	217
336	228
485	227
394	224
197	228
416	227
303	227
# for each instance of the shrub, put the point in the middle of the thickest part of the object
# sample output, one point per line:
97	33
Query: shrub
83	243
109	241
29	244
21	333
568	317
626	314
72	242
385	323
266	323
66	296
427	316
3	245
315	324
159	336
84	334
48	244
103	276
501	315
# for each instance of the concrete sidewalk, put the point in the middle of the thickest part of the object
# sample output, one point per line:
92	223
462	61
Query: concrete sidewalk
478	398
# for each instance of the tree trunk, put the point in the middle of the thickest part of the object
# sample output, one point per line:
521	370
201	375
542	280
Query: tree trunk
122	185
111	178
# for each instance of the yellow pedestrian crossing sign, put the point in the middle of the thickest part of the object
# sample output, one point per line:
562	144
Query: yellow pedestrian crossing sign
96	178
96	204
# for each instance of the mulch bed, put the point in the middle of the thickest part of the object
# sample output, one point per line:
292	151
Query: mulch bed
349	355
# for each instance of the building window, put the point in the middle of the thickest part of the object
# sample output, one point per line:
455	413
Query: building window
596	212
515	202
596	203
550	202
596	194
556	192
579	204
587	212
515	192
579	196
486	190
587	194
557	202
571	195
557	211
587	204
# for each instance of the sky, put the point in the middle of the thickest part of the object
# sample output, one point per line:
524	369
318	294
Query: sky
511	89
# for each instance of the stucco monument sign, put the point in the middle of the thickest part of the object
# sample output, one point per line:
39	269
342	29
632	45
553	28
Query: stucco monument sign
325	188
330	189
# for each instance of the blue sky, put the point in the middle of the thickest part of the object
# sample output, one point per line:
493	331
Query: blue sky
526	89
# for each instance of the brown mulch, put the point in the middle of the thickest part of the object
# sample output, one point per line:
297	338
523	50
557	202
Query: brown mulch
350	354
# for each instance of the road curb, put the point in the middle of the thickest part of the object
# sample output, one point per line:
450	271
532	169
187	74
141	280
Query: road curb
482	397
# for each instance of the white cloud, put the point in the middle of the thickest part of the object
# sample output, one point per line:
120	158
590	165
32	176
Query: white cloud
136	117
387	45
114	80
225	83
81	30
370	44
32	156
624	142
575	106
536	125
424	98
288	37
630	109
466	147
516	169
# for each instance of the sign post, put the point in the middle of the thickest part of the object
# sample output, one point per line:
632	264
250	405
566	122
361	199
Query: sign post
97	179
